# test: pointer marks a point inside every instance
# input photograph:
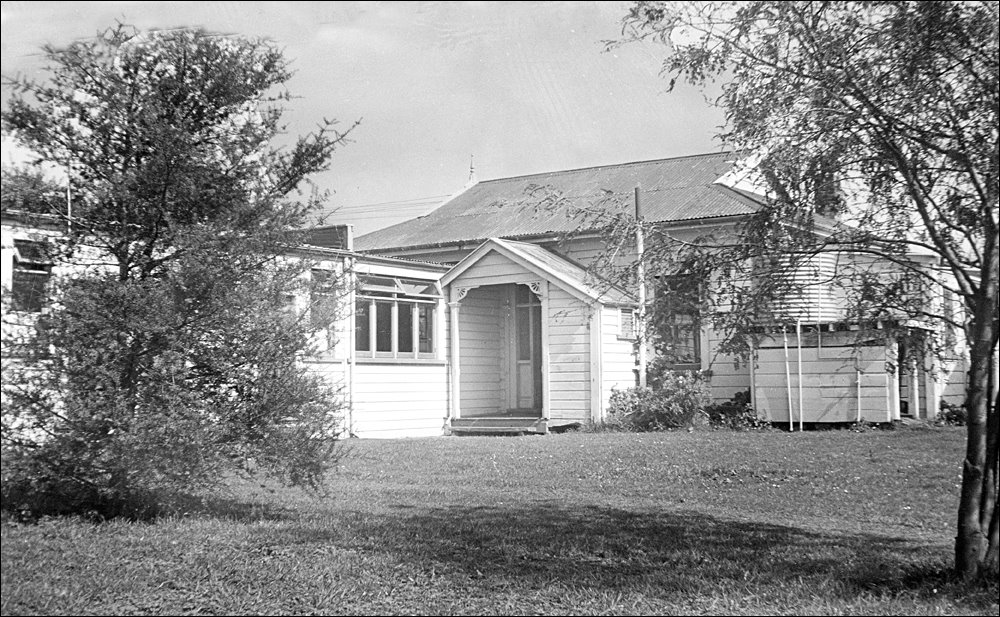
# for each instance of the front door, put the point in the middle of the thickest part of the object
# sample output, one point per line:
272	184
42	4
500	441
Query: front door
527	350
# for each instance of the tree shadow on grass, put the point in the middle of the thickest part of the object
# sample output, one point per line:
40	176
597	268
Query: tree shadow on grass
236	509
663	553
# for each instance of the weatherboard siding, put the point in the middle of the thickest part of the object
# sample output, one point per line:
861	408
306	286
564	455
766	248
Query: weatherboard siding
399	400
569	358
829	378
728	376
617	355
493	269
481	324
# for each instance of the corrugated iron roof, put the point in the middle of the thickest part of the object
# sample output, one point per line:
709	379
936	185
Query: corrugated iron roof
671	190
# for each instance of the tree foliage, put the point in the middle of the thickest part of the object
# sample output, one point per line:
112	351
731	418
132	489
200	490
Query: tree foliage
873	127
170	354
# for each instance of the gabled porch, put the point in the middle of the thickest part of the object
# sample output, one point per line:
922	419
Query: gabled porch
525	341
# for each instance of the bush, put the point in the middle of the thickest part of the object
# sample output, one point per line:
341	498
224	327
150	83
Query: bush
950	414
31	490
677	402
736	414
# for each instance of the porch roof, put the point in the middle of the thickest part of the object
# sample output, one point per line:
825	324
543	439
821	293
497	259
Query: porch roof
564	273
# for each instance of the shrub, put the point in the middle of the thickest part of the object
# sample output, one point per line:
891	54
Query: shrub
676	402
950	414
736	414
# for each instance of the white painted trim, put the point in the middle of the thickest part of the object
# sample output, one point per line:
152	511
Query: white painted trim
914	392
932	388
455	369
524	261
412	272
546	318
596	363
352	306
703	343
509	381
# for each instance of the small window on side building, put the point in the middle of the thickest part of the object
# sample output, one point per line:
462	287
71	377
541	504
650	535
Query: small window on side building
626	323
30	276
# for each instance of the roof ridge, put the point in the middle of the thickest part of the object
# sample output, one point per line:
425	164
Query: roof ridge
608	166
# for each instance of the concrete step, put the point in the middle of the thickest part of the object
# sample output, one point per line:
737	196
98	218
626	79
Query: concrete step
499	425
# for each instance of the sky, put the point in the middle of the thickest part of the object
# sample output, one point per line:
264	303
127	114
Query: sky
507	88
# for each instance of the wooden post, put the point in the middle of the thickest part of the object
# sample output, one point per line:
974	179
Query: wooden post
596	364
788	380
456	370
914	389
798	340
544	288
859	395
932	389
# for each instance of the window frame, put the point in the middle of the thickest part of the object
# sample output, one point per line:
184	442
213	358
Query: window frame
678	304
396	292
630	333
30	260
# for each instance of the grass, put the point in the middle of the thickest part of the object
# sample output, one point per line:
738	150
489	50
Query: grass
835	522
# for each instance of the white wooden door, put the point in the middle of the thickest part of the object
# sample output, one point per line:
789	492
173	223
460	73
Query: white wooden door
527	349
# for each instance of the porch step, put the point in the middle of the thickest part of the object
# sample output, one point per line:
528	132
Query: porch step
498	425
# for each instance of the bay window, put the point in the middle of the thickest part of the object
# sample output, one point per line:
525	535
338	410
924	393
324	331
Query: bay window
395	318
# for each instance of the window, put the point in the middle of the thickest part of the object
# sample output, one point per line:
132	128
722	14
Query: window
626	323
677	321
29	279
394	318
323	298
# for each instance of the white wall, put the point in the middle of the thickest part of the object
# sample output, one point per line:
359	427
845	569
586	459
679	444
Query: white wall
829	381
617	355
399	400
728	376
482	351
569	358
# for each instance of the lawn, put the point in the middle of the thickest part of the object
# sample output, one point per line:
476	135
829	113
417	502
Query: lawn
707	522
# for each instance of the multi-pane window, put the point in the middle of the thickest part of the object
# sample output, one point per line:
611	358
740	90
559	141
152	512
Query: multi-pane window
30	276
677	321
395	318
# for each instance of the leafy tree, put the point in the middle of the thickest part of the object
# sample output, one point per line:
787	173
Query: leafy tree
877	122
169	355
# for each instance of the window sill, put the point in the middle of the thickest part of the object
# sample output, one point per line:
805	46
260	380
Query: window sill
421	361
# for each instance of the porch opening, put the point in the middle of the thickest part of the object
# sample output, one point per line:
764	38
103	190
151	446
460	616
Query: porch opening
500	330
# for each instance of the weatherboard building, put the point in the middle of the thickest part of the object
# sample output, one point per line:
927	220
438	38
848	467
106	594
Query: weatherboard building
484	315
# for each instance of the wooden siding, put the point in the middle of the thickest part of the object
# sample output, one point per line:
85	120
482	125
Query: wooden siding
399	400
727	378
830	389
494	269
482	351
618	361
569	358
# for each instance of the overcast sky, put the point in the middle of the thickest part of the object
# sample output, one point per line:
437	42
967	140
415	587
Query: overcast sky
522	87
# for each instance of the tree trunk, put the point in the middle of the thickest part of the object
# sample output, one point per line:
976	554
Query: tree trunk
976	544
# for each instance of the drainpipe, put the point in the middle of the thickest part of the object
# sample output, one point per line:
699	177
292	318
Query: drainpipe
640	249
